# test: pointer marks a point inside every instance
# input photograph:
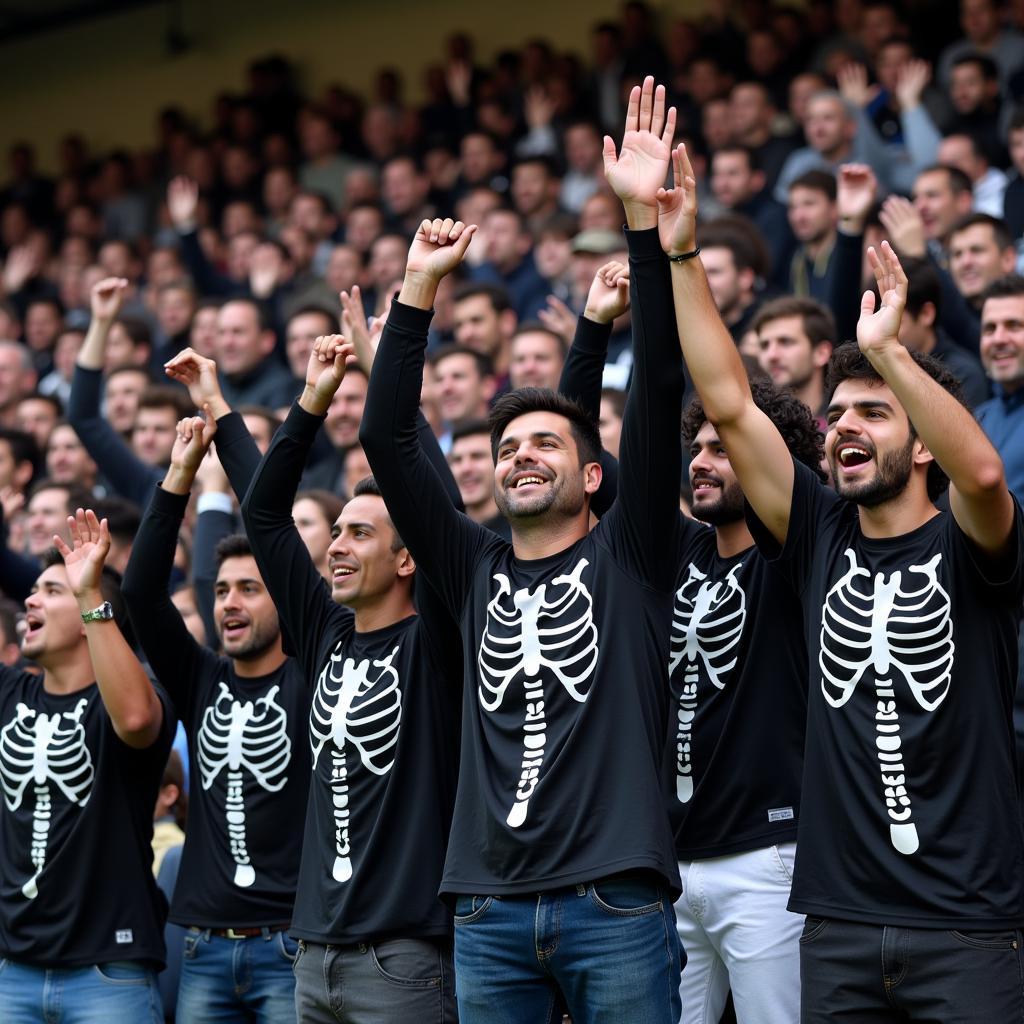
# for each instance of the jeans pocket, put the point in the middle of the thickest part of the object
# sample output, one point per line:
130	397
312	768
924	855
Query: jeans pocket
300	952
287	947
469	909
813	927
411	963
193	937
1000	939
783	860
122	972
626	897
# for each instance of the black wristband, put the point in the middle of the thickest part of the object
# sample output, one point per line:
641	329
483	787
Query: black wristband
683	256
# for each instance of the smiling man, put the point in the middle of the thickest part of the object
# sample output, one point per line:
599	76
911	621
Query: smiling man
911	856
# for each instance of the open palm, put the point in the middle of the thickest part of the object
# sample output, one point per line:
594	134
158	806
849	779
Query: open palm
677	207
90	542
879	329
641	166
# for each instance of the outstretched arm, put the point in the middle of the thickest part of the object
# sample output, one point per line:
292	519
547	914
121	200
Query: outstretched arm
135	710
756	449
978	496
442	541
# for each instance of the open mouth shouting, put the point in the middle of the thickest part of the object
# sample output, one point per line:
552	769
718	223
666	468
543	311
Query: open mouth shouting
233	627
526	481
851	456
703	484
33	626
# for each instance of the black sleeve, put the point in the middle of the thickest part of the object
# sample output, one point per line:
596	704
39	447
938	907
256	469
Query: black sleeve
18	573
581	380
172	652
121	467
432	450
444	543
847	261
645	518
237	452
956	316
302	598
212	526
208	280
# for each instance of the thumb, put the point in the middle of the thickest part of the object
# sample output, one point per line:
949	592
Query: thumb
867	303
465	238
610	159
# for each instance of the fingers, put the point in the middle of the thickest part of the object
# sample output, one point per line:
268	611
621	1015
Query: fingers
669	133
633	109
325	347
463	237
608	152
658	113
867	303
646	110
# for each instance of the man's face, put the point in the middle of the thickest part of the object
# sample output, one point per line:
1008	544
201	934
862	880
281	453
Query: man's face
717	496
538	468
121	398
357	467
241	344
460	390
47	515
120	350
505	245
42	325
869	445
387	261
1017	149
302	330
535	360
12	378
937	204
610	425
583	149
975	259
344	268
307	213
473	468
479	157
979	20
723	279
38	418
67	461
957	151
732	180
531	188
153	434
8	467
345	412
968	89
748	109
203	336
812	215
278	191
53	622
243	611
402	188
313	528
478	325
362	227
601	212
363	566
1002	341
261	430
892	59
174	309
785	353
828	129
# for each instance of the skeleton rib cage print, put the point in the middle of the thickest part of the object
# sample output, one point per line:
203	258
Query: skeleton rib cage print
880	626
707	623
249	735
44	750
357	702
537	636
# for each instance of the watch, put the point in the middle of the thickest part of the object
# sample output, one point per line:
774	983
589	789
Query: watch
101	614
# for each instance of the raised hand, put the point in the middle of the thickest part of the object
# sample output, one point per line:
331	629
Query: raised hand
182	203
22	264
878	330
199	375
191	442
107	297
677	207
558	317
90	542
852	79
355	327
641	166
538	109
609	293
856	189
910	83
438	248
11	501
904	226
325	372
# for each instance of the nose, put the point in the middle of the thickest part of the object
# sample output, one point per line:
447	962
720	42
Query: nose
338	546
847	423
231	599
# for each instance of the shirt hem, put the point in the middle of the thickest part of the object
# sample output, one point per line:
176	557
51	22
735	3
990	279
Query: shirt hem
758	842
981	923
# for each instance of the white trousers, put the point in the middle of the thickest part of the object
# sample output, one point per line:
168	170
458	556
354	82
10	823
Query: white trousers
737	933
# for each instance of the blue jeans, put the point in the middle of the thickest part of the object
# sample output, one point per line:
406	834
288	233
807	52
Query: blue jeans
607	951
122	990
237	981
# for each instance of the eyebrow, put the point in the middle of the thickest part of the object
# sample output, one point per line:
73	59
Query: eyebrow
862	406
245	580
538	435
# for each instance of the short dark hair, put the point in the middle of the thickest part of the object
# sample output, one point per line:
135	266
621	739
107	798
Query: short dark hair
10	616
816	181
368	485
923	285
849	363
536	327
985	64
818	322
526	400
743	248
794	421
616	398
23	447
496	295
332	318
77	496
330	504
1000	229
272	420
123	516
137	330
163	396
129	368
1009	287
470	428
484	364
753	164
959	183
53	401
235	545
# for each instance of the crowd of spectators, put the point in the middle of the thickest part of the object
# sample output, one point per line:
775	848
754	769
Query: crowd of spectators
811	134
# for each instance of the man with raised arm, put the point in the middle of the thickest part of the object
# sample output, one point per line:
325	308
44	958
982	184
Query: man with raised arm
910	864
82	752
383	727
245	716
560	862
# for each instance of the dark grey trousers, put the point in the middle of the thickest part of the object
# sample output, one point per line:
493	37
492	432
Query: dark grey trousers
874	974
399	981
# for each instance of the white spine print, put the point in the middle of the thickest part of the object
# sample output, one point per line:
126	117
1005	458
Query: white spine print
237	734
707	623
877	625
349	706
532	636
35	748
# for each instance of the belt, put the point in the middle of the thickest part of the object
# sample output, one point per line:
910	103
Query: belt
246	933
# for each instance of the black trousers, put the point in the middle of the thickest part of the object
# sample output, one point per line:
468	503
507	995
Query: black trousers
872	974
